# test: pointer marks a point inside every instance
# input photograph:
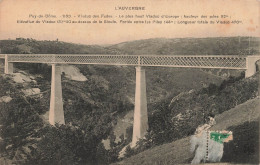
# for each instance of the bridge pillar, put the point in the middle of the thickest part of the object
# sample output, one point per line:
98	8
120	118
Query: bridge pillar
9	66
251	65
56	114
140	112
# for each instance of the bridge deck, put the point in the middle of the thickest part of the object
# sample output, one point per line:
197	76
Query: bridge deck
194	61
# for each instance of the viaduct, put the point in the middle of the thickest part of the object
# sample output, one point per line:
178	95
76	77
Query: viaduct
56	115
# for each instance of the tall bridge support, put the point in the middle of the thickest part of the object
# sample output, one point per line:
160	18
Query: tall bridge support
140	112
9	66
56	114
251	65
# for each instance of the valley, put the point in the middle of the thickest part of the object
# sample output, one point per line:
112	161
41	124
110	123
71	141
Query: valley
99	102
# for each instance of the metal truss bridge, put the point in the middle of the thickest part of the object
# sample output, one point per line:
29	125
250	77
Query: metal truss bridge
193	61
140	126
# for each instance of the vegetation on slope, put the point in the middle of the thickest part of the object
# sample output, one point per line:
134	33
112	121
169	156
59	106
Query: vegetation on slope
243	121
31	46
244	148
174	120
91	107
19	120
177	46
192	46
28	139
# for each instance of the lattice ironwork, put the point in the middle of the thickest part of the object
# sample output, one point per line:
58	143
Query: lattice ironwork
32	58
98	59
75	59
228	62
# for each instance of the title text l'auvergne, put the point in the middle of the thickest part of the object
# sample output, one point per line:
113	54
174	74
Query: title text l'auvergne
129	8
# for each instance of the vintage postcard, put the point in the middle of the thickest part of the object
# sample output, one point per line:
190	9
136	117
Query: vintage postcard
153	82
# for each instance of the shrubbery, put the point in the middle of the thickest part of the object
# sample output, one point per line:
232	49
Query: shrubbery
68	145
19	120
28	140
26	137
181	118
244	148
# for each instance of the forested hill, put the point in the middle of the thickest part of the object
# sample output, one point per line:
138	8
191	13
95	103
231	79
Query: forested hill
178	99
30	46
192	46
177	46
243	149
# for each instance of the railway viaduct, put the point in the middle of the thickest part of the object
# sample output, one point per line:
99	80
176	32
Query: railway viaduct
56	115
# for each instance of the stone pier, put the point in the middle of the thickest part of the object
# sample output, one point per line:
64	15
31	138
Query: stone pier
56	114
251	65
140	112
9	66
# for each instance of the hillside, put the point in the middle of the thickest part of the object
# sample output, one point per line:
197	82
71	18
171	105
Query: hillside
97	98
242	120
191	46
159	80
30	46
88	106
174	46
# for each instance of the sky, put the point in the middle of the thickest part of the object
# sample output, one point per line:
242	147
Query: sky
11	11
